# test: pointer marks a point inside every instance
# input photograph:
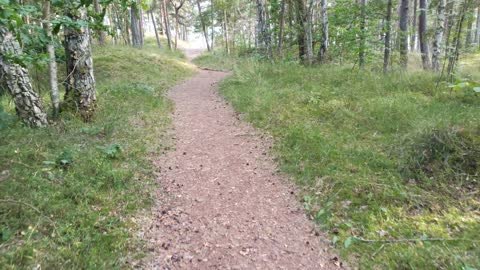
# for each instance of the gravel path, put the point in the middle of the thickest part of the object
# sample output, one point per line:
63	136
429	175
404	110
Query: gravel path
222	204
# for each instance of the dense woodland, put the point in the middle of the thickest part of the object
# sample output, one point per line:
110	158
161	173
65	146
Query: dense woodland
361	32
321	75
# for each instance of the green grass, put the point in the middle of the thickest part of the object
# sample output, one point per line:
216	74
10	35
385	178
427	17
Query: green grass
216	61
377	157
69	193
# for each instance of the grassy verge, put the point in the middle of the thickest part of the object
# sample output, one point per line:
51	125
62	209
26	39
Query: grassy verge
68	192
377	157
216	61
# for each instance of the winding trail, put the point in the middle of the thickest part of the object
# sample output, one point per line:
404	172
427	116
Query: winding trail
222	204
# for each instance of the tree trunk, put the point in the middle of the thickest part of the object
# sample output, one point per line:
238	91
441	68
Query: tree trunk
262	28
52	64
16	80
362	45
454	55
414	39
403	33
155	30
135	30
101	34
140	27
166	23
322	53
308	33
388	22
282	29
204	28
80	83
422	34
439	31
300	6
476	39
468	38
176	29
213	25
225	31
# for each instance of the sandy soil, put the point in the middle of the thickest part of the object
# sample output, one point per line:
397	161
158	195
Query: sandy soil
223	204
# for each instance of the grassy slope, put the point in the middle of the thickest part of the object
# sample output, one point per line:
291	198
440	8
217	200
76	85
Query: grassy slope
79	216
351	140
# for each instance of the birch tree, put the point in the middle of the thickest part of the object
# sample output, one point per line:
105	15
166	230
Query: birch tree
439	32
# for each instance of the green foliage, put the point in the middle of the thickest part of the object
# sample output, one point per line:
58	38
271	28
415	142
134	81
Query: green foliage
349	139
69	193
446	160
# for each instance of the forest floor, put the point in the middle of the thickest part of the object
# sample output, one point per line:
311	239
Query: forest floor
222	203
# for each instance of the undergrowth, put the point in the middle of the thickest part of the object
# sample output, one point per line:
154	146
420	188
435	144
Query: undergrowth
69	192
384	158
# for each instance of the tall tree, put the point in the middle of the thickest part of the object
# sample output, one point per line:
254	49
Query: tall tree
225	31
439	31
322	53
155	29
422	34
16	80
52	63
101	33
176	8
363	22
300	28
388	21
414	38
476	38
135	26
80	91
204	28
166	22
282	28
468	34
403	34
263	33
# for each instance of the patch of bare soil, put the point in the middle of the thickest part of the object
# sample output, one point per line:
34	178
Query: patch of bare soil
222	204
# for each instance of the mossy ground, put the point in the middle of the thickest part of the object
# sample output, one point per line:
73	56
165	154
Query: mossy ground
347	137
68	192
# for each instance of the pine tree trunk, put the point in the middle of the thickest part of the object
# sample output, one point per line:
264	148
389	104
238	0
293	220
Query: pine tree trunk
155	30
439	31
176	29
422	34
204	28
80	82
403	35
52	64
388	22
166	23
16	80
322	53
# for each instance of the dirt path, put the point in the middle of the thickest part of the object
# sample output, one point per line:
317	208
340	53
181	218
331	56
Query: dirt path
226	207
